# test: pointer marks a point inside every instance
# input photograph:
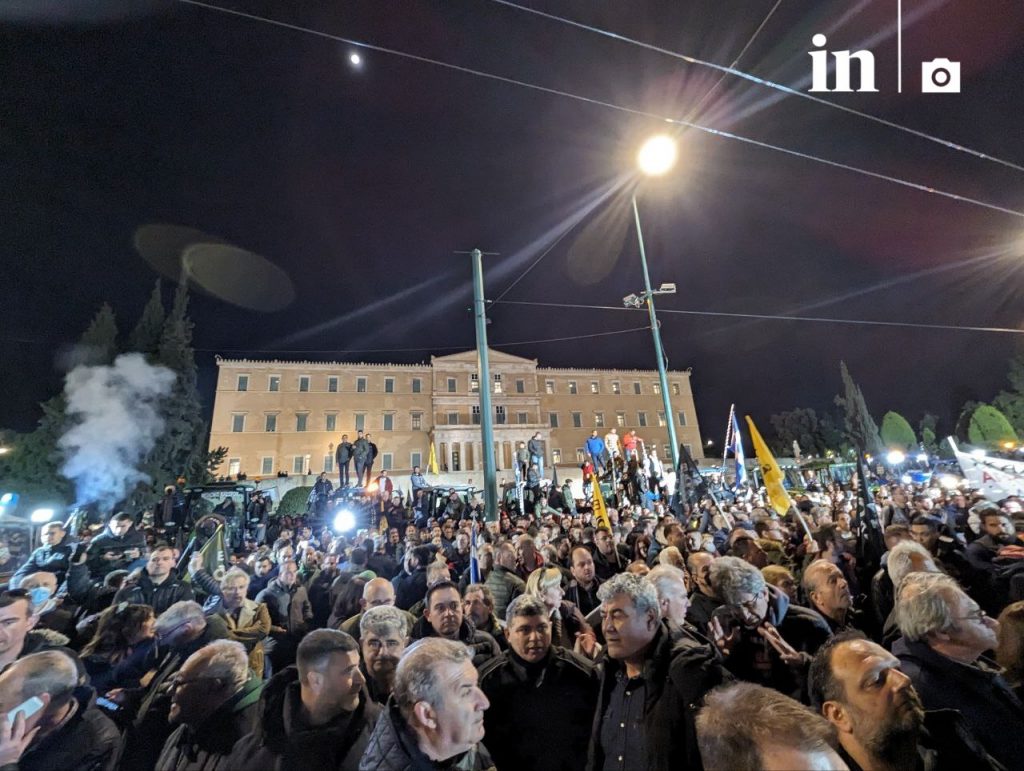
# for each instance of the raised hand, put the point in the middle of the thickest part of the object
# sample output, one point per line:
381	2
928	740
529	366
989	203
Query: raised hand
787	652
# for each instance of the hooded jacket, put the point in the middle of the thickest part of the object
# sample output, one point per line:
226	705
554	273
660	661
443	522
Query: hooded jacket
482	645
160	596
281	740
393	747
201	748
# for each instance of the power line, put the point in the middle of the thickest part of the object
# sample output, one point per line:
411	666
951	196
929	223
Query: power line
731	70
628	110
771	317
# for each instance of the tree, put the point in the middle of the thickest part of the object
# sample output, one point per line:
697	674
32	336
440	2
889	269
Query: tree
146	336
861	429
989	427
1011	402
928	427
801	425
897	433
98	344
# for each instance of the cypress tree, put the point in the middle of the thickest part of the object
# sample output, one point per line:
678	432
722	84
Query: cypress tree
861	429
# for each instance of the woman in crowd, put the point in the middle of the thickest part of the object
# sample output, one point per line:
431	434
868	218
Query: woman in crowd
123	629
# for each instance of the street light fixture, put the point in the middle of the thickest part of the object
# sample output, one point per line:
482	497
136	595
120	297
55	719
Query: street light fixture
657	156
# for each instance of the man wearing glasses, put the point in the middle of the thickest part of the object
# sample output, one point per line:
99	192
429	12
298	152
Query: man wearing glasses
945	637
763	638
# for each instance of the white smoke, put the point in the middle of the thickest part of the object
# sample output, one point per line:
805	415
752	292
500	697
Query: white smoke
115	411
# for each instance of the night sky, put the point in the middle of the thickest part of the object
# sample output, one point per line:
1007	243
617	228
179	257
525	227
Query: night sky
362	184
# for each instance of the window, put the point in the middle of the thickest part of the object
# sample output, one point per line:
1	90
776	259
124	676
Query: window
329	464
620	419
641	419
267	464
332	384
360	421
304	383
301	420
417	385
636	387
474	383
661	419
389	385
549	386
243	382
331	422
572	387
274	383
497	384
599	420
616	387
520	386
387	461
234	464
499	415
675	389
271	424
556	456
522	417
237	423
389	421
415	459
299	464
577	419
553	419
417	421
595	388
476	414
360	385
656	388
451	385
682	418
580	455
453	418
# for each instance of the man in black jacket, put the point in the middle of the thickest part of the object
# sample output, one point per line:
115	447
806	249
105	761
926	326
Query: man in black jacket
54	556
342	457
360	453
118	546
315	715
540	691
68	732
650	687
443	616
880	721
157	585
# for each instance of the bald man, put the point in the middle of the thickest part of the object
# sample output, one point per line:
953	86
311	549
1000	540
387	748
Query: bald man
376	593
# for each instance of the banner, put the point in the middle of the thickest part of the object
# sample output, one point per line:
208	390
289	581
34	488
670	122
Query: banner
600	510
432	462
996	478
474	561
214	554
737	450
773	476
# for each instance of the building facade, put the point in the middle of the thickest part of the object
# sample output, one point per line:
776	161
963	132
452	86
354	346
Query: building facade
289	416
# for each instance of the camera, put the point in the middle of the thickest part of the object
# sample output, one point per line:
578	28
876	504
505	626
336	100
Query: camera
940	76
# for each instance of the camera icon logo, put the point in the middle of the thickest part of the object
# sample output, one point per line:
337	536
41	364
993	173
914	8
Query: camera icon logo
940	76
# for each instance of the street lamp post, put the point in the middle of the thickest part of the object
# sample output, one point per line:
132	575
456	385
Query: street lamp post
486	418
656	157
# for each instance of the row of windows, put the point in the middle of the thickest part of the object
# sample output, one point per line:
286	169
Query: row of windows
304	464
452	384
270	422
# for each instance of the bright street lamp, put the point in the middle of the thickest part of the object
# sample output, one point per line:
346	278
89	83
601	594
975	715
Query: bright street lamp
895	458
42	515
657	155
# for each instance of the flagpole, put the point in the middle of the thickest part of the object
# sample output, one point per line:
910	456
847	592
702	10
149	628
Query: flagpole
728	437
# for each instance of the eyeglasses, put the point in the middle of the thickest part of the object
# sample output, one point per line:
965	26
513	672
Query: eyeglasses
178	682
376	645
974	615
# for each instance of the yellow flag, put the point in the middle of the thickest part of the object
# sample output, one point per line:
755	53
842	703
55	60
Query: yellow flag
384	526
432	463
600	510
771	472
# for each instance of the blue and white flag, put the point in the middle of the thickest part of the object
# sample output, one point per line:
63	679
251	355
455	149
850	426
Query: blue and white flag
474	563
737	450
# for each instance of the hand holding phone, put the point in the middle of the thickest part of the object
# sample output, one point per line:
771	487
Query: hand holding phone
27	709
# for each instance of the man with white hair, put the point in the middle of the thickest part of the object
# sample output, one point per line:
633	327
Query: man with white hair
650	686
67	732
435	717
945	637
213	702
384	633
670	584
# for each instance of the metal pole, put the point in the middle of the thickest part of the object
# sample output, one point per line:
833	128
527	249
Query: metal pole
486	418
658	351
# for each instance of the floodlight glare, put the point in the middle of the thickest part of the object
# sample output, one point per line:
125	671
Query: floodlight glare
657	155
895	458
922	457
344	521
979	454
42	515
8	498
948	482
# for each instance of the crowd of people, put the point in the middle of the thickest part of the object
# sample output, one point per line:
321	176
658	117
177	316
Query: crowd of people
700	634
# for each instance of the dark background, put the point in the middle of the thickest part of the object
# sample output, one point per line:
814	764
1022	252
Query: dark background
362	183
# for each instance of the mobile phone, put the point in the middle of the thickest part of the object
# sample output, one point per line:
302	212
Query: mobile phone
107	704
28	708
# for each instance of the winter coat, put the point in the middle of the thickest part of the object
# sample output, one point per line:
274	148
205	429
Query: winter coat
202	747
410	588
159	596
281	740
595	446
990	708
344	453
393	747
552	703
677	677
89	595
251	629
118	544
289	608
88	741
51	559
360	450
481	645
505	586
535	448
